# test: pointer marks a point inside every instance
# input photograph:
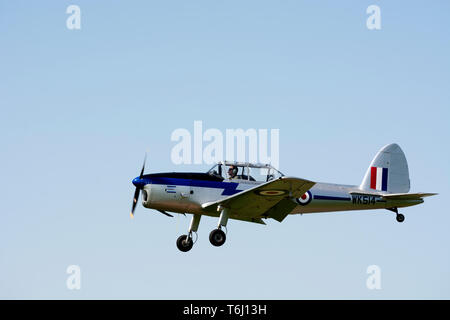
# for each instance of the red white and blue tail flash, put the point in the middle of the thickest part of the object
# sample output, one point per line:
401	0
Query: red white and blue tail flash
378	178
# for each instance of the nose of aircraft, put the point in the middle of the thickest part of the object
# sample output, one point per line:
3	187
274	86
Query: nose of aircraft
138	182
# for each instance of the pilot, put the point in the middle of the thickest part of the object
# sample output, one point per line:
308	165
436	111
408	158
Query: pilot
232	172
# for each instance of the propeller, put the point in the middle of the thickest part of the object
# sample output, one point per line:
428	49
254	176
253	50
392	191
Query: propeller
137	191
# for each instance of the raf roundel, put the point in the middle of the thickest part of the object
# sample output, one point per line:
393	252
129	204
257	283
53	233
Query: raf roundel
271	192
304	199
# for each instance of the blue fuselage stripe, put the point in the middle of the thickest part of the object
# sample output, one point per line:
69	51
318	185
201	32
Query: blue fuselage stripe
229	188
331	198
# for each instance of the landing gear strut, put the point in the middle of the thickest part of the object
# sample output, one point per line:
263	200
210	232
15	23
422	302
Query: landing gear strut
217	237
398	216
185	242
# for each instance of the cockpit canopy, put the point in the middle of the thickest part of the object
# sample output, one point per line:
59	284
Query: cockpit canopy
231	170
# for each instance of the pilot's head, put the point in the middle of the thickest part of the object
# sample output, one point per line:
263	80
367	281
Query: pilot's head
232	171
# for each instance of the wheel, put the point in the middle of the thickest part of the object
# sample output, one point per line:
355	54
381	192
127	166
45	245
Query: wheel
400	217
217	237
184	243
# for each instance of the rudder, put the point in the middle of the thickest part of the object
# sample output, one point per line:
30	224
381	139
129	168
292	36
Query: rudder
388	171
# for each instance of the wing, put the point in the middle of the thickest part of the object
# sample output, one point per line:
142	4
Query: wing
273	199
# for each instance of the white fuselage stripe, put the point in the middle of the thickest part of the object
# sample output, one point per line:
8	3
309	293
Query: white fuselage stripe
379	178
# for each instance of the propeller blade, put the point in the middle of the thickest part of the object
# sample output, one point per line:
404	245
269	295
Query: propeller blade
163	212
135	200
136	192
143	167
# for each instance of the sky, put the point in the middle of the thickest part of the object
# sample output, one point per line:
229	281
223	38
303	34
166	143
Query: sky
80	107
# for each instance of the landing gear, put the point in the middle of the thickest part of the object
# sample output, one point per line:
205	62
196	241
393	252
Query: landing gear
398	216
217	237
184	243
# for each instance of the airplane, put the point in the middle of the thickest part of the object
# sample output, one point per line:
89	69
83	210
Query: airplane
252	192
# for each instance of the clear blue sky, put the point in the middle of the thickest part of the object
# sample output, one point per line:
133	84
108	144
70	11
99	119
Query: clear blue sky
80	107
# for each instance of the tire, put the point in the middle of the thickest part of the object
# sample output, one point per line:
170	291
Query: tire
217	237
400	217
184	243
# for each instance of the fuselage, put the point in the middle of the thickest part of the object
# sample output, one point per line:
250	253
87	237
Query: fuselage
186	192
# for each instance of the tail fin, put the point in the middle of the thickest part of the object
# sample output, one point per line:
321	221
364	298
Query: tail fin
388	171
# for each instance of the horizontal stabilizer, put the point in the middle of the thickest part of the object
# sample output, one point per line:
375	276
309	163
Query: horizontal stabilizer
407	196
397	196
